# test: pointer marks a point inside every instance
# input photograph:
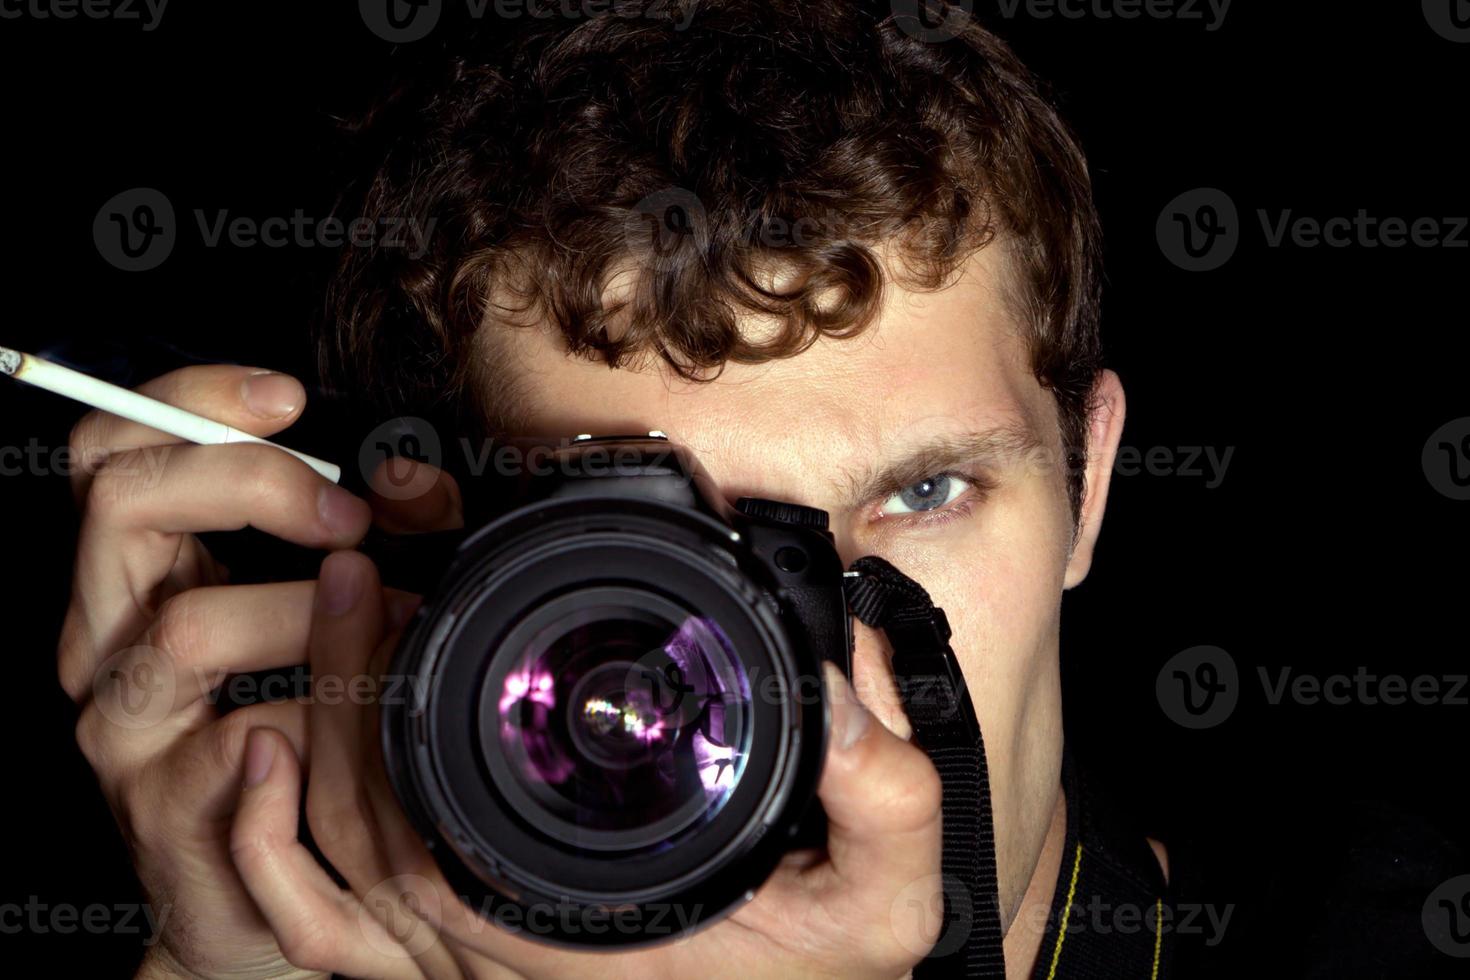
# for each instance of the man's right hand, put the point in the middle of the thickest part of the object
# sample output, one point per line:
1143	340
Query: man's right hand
866	908
152	629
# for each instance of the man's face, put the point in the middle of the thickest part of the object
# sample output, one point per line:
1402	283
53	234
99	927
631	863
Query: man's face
930	443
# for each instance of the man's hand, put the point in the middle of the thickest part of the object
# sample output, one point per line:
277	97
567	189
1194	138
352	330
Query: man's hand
847	913
152	629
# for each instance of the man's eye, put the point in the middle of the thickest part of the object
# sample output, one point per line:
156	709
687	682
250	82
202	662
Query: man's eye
930	493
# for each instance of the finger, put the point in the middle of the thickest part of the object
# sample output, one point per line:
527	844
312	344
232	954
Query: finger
318	925
139	510
882	799
346	628
202	772
409	497
874	680
196	640
249	399
187	752
225	488
347	648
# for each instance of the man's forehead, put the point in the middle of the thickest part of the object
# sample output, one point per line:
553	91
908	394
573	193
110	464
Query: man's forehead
947	364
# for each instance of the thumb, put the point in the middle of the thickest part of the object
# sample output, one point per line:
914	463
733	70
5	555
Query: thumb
882	796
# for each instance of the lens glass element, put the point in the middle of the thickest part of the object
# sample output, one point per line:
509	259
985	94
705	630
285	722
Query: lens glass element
622	725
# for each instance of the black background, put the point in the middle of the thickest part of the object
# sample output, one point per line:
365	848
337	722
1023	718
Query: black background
1325	370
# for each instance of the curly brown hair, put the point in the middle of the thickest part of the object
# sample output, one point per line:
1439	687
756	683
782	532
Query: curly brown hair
700	145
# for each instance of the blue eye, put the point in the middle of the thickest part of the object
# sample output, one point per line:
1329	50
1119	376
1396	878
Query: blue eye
930	493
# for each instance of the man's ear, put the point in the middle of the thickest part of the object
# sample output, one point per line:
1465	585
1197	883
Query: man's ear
1104	430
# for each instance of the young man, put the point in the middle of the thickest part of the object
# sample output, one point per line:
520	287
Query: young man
848	259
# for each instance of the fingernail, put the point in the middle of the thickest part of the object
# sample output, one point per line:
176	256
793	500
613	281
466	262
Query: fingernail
271	395
850	720
340	585
260	752
341	512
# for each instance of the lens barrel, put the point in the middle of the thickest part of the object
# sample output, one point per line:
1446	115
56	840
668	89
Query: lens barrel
613	710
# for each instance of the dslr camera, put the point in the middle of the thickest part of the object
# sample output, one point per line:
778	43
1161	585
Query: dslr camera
616	720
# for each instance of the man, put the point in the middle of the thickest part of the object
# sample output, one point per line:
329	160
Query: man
849	262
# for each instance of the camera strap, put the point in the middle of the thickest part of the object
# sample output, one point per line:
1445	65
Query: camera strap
945	726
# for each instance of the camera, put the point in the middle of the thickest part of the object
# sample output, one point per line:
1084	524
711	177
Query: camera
615	702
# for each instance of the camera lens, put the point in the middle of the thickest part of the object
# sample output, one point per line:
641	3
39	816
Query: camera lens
582	725
624	721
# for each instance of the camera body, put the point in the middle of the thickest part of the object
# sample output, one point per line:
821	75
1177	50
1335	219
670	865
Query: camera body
615	722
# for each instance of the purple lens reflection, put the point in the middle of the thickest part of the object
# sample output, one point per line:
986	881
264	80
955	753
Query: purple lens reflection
624	728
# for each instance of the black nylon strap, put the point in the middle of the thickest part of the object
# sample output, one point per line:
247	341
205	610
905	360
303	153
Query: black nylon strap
943	718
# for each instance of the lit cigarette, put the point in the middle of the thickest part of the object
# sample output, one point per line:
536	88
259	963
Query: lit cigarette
138	408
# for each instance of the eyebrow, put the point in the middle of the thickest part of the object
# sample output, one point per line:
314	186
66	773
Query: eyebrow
995	447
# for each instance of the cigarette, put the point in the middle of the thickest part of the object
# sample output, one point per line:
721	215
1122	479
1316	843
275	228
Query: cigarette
138	408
